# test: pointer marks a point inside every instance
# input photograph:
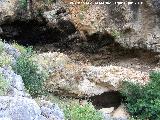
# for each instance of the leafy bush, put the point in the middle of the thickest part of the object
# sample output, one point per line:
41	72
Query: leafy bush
115	33
23	4
19	47
4	85
49	1
143	102
1	46
79	112
28	69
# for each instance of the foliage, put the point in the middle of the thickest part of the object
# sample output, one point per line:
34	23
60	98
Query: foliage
143	102
1	46
84	7
49	1
4	85
28	69
23	4
19	47
82	112
115	33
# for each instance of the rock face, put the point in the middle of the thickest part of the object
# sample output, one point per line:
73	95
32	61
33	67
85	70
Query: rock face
16	86
134	25
51	111
17	104
19	108
69	78
22	108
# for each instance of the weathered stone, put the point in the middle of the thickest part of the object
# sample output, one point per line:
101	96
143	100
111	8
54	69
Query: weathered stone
107	110
68	78
120	113
16	85
51	111
19	108
134	25
7	10
11	50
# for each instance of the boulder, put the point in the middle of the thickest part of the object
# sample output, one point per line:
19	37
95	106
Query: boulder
51	111
22	108
16	85
19	108
120	113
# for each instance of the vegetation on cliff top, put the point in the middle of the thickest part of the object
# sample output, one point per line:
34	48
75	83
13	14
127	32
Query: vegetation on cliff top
143	102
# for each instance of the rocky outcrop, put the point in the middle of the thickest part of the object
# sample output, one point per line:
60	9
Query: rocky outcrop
22	108
7	10
16	86
134	25
69	78
16	103
51	111
19	108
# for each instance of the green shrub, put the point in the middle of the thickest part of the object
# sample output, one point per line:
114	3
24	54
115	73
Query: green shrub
20	48
32	77
143	102
23	4
79	112
49	1
4	85
115	33
1	46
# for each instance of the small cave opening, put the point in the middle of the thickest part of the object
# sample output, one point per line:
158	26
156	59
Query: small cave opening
107	100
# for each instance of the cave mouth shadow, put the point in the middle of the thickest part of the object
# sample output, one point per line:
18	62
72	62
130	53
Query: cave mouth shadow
63	35
33	32
106	100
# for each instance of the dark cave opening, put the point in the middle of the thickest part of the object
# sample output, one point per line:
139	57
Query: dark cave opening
33	32
63	35
106	100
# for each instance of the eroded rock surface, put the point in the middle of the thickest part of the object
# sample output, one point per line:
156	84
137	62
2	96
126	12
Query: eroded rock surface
75	79
132	25
18	105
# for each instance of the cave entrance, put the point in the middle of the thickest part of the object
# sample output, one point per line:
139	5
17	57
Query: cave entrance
33	32
106	100
63	35
98	49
